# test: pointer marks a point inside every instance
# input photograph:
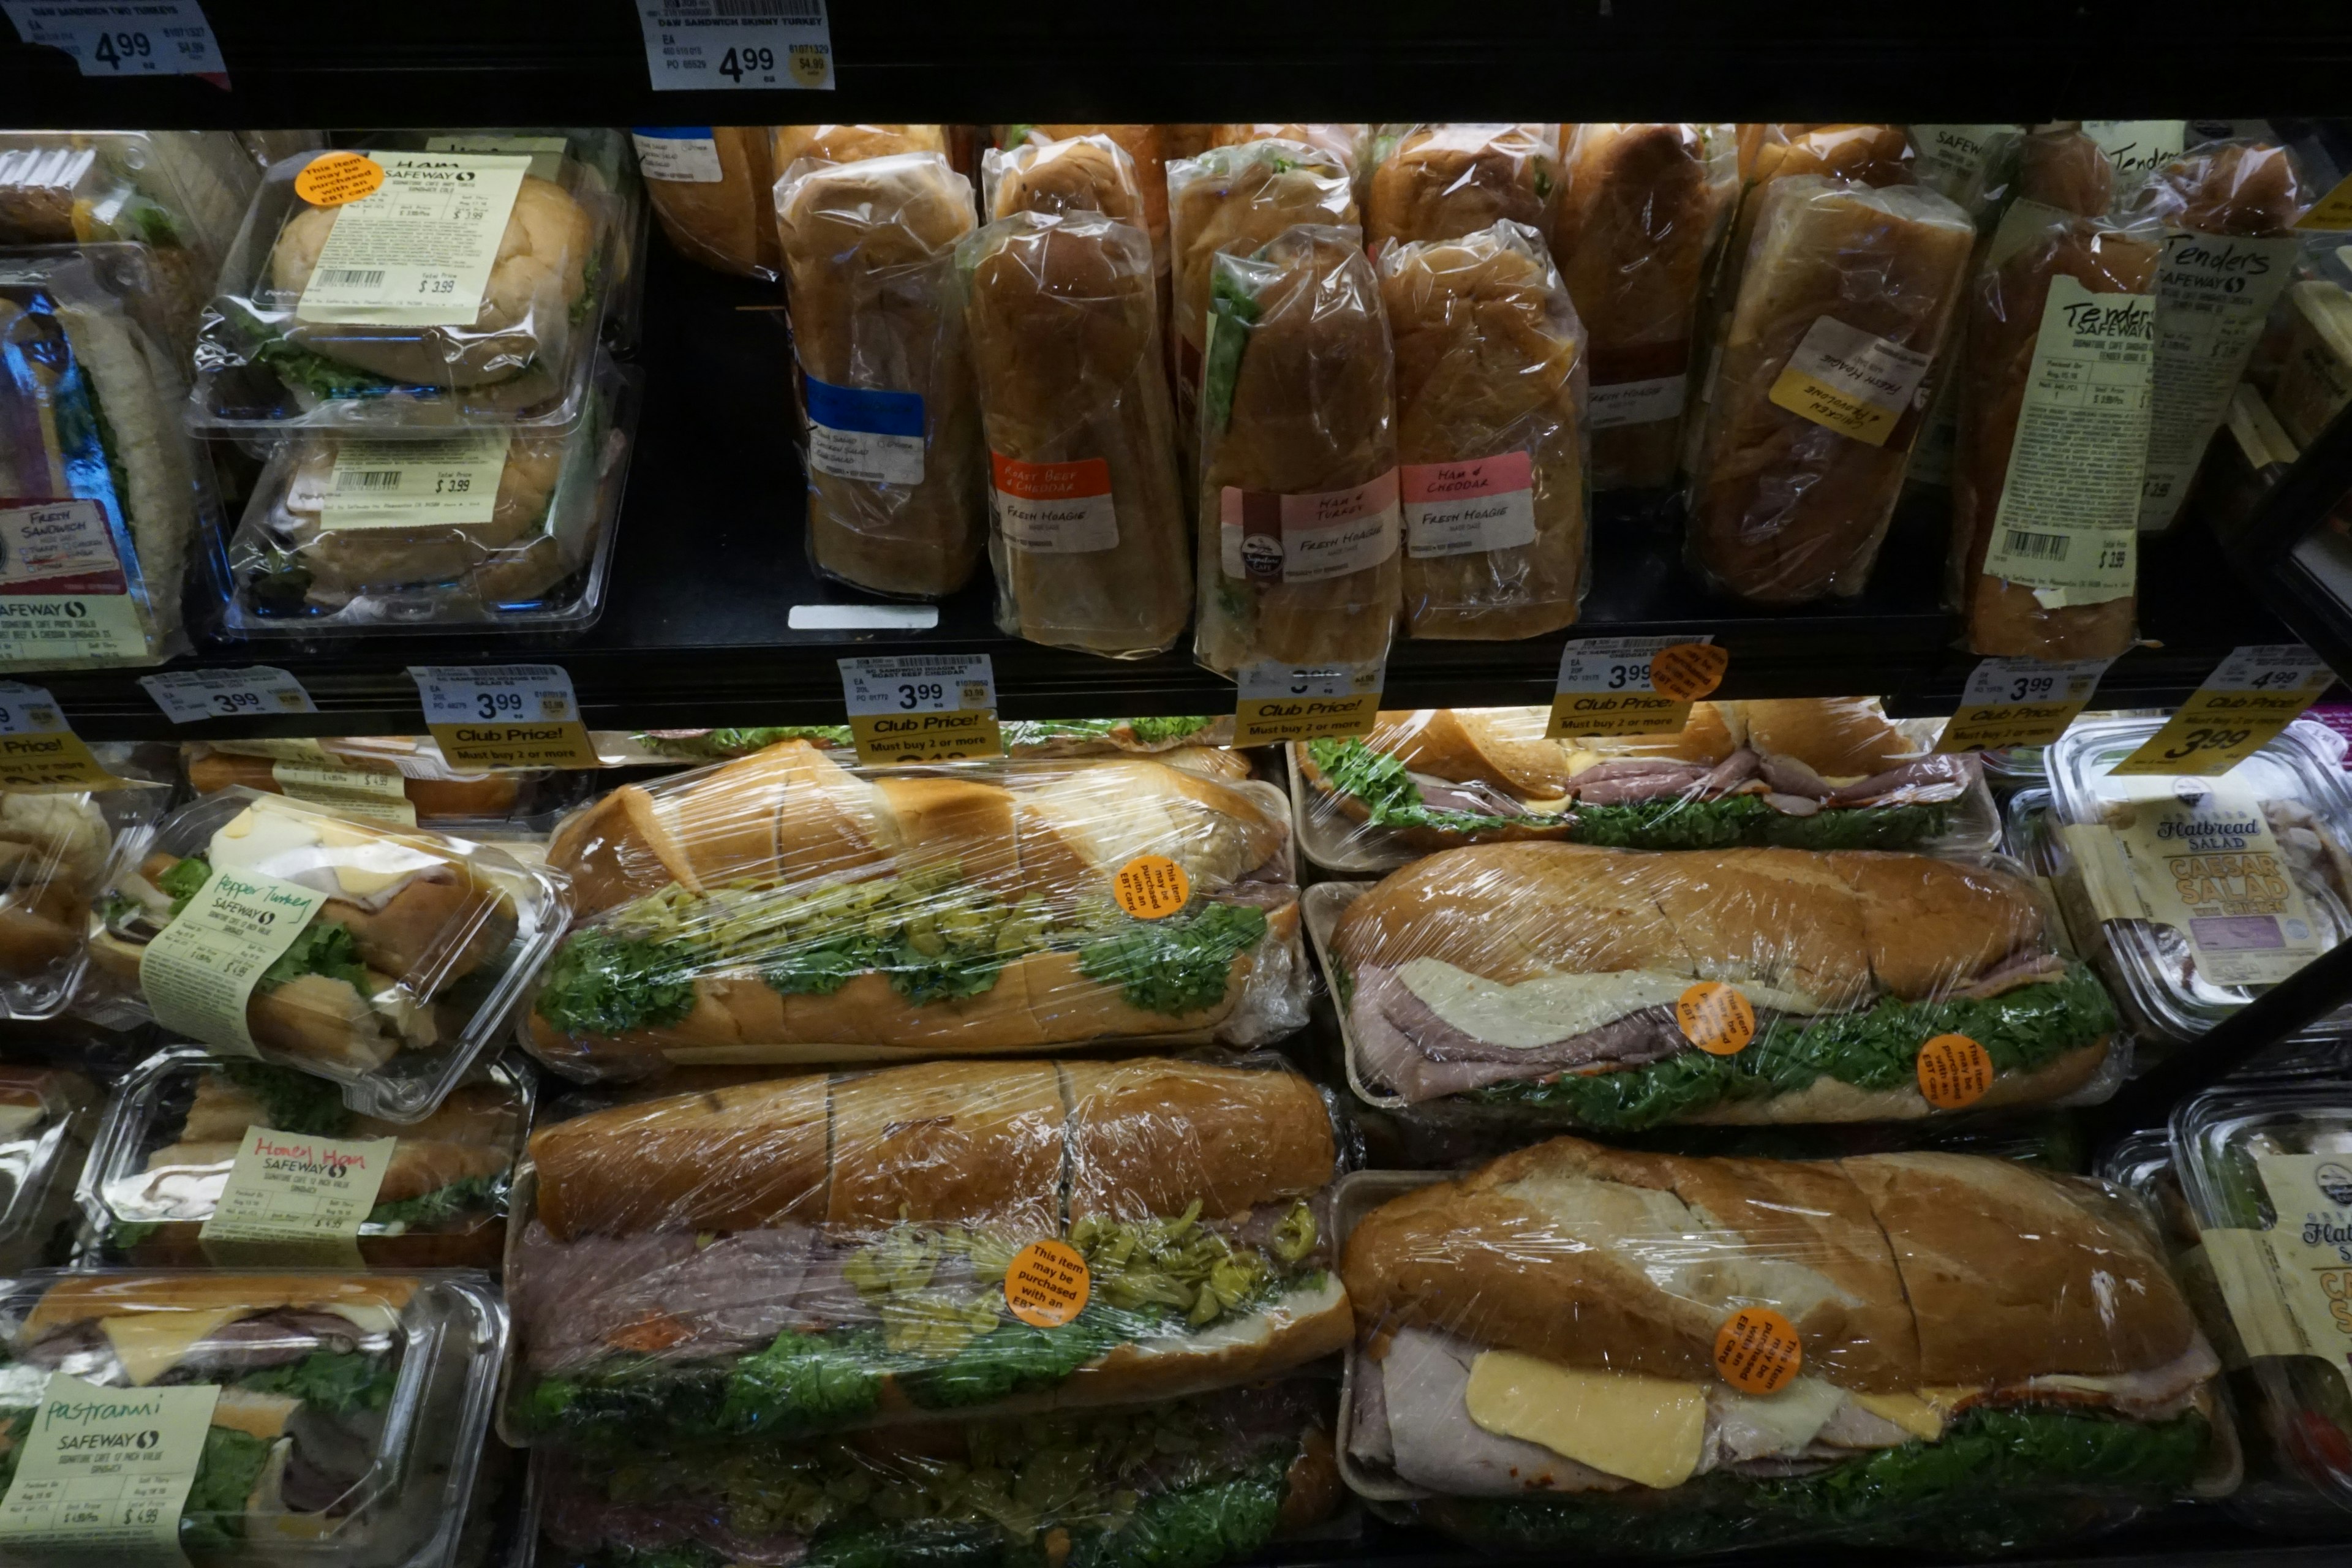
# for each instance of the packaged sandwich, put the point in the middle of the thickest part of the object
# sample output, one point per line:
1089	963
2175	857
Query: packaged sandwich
1490	380
1641	213
1974	166
1879	156
1145	147
101	498
1580	1350
893	439
1566	984
428	791
1181	740
1300	520
335	1418
1443	182
1344	143
1090	541
46	1115
1201	1481
1802	773
175	1124
788	145
787	909
316	324
715	192
381	957
1820	386
53	856
807	1254
1091	174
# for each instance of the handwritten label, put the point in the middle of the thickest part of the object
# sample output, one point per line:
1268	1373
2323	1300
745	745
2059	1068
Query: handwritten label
1305	702
199	972
2020	702
105	1471
193	696
1310	538
1054	509
2242	706
418	251
1852	382
504	716
293	1201
925	708
1466	509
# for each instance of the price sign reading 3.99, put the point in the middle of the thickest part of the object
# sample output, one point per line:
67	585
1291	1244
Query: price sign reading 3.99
2020	702
1632	686
928	708
504	715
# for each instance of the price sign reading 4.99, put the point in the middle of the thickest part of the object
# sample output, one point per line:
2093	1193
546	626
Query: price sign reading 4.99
1632	686
2020	702
927	708
504	715
2242	706
711	43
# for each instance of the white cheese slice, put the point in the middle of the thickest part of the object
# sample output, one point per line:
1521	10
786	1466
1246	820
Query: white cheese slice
262	1416
327	857
150	1344
1757	1426
1914	1414
18	1122
1558	1006
1648	1430
368	1317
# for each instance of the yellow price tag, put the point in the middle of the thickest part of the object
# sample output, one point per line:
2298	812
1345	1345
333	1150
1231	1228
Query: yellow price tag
1305	702
2020	702
2255	694
39	753
952	736
1632	686
922	708
504	716
2332	211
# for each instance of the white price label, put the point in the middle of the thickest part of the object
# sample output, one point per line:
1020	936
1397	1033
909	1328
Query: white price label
104	1472
925	683
1279	702
191	696
1632	686
2011	680
1613	664
706	45
494	693
2269	667
30	710
294	1201
1322	681
150	37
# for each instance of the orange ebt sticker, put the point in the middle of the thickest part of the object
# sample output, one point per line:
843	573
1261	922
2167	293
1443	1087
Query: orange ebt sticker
1687	671
1757	1351
332	179
1151	887
1954	1071
1715	1017
1047	1284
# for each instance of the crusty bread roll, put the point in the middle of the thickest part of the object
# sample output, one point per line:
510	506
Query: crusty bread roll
2064	169
729	223
788	145
1838	737
1079	174
1502	746
949	1143
2229	188
1148	1137
492	795
1148	148
1344	143
732	1158
1443	182
79	1298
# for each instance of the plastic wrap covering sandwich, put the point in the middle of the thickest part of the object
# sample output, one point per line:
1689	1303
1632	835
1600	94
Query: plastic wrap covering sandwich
46	1115
100	498
714	191
317	322
509	529
370	786
1490	372
2047	484
807	1254
53	852
1196	1481
788	145
384	958
1443	182
1147	150
1639	222
892	434
1578	1350
1877	156
1596	987
1151	735
175	1125
784	907
1090	542
343	1413
1821	385
1300	519
1805	773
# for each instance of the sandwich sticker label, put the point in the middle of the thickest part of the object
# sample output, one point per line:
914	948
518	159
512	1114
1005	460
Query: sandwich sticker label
2068	525
199	973
1650	402
1757	1351
855	433
1305	702
1716	1018
2212	295
1464	508
1954	1071
545	153
1151	887
293	1201
1054	509
379	794
504	716
1852	382
416	251
64	594
682	154
1632	686
104	1472
2251	696
926	708
1046	1284
191	696
1312	538
404	484
2289	1287
2020	702
39	753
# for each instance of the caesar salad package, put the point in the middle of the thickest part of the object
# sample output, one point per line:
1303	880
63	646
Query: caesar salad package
54	847
46	1119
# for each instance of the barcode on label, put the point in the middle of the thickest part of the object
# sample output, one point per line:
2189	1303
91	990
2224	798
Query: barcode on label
2048	546
793	10
351	276
367	479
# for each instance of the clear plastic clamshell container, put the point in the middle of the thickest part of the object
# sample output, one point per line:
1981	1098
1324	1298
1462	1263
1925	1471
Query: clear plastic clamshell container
54	849
172	1128
2192	894
488	531
411	789
413	946
45	1116
351	1411
317	325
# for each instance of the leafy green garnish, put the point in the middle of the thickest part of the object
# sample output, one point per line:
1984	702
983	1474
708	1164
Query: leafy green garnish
341	1383
602	983
804	1381
324	947
1155	730
1196	1526
292	1102
474	1195
213	1516
185	881
716	745
1177	965
1233	311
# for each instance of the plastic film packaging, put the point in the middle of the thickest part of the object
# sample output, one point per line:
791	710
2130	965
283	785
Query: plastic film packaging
46	1117
1974	166
892	436
713	189
1210	1479
1446	181
311	331
54	849
1575	1349
788	145
1639	222
1089	542
806	1255
350	1409
1301	524
1346	143
1146	146
1802	773
174	1126
432	795
1571	985
1822	385
1491	434
407	947
1190	736
1879	156
788	908
1091	173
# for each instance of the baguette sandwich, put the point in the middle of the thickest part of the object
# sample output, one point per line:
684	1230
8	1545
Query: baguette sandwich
1148	736
1546	977
811	1253
211	770
1981	1355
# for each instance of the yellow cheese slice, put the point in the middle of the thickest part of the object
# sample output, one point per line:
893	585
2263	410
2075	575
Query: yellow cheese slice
1909	1411
1946	1400
262	1416
1646	1429
150	1344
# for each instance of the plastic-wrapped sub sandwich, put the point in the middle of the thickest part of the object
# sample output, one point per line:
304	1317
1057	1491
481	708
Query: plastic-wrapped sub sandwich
784	907
1581	1350
808	1255
714	191
1443	182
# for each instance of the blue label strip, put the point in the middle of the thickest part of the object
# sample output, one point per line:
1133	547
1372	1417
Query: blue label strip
869	413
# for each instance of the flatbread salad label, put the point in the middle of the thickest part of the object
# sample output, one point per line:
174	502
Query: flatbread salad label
1054	509
1757	1351
2020	702
2198	856
927	708
681	154
1308	538
104	1472
1047	1284
416	251
200	970
2068	525
65	595
1954	1071
2251	696
860	433
1151	887
2213	293
1852	382
504	716
39	753
406	484
295	1201
1464	509
379	794
2289	1287
1305	702
1649	401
